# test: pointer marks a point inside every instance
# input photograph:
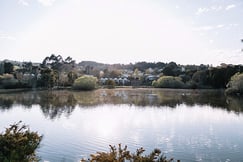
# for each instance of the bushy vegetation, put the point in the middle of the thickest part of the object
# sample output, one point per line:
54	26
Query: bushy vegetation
85	83
56	72
168	82
235	85
110	84
8	81
122	155
18	143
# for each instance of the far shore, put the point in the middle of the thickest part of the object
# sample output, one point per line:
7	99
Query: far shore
16	90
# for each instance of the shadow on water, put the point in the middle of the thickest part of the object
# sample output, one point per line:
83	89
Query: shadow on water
53	104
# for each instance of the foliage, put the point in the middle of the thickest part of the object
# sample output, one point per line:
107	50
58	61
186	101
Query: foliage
8	81
58	66
8	67
199	79
235	85
168	82
171	69
18	143
142	66
110	83
71	77
48	78
122	155
55	71
85	82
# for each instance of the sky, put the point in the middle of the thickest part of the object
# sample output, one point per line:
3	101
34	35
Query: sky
123	31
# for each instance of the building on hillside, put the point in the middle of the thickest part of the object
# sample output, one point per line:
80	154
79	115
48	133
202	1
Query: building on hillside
118	81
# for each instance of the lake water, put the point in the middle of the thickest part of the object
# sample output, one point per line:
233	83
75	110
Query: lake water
190	125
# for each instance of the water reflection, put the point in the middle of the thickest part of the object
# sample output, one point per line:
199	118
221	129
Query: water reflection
52	103
55	103
196	125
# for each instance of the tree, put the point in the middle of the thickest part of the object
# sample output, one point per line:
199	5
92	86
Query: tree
216	77
200	78
71	77
58	66
115	74
69	60
27	67
8	67
54	62
48	78
235	85
136	74
110	83
18	143
171	69
168	82
8	81
85	82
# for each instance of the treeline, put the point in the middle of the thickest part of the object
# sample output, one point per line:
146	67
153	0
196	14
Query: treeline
55	71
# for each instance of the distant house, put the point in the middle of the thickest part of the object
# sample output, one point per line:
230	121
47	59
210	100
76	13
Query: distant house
151	78
118	81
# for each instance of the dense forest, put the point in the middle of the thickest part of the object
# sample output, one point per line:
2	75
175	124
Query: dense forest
55	72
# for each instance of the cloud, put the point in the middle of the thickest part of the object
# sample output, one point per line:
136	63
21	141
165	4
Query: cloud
7	37
46	2
202	10
228	56
209	27
23	2
4	36
229	7
220	26
211	41
215	27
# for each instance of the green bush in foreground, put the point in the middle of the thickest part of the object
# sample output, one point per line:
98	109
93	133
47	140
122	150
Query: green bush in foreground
18	143
122	155
85	83
168	82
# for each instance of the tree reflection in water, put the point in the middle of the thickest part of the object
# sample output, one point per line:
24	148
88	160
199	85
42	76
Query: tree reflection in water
53	104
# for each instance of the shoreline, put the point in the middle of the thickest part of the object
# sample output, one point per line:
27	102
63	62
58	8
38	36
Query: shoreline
5	91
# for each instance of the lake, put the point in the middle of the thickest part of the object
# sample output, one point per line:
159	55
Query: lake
189	125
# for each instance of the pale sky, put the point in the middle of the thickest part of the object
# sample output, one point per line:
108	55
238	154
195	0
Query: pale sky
123	31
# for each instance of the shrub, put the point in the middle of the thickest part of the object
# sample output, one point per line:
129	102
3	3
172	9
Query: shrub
8	81
122	155
110	83
18	143
85	83
168	82
235	85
